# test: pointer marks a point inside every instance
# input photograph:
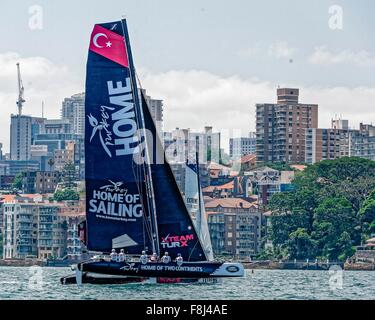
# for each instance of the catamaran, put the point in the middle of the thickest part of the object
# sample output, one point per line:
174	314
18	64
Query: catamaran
133	201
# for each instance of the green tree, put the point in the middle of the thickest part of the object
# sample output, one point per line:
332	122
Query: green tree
330	210
66	194
51	163
69	175
345	246
18	180
300	245
333	218
367	212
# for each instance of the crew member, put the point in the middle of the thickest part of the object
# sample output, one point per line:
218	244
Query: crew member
121	256
154	257
113	255
143	259
179	259
166	258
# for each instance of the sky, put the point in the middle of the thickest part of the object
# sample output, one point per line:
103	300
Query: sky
210	61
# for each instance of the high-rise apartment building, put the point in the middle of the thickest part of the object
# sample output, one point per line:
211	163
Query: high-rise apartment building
240	147
156	110
323	144
182	144
23	130
280	127
20	137
73	109
32	227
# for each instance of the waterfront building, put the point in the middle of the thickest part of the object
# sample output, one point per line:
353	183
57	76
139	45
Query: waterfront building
340	124
322	144
40	154
68	142
65	156
240	147
6	182
20	137
246	163
19	226
179	171
156	109
23	130
264	182
51	231
33	226
220	191
182	144
220	174
40	182
361	143
14	167
280	128
340	141
73	109
74	214
57	126
235	227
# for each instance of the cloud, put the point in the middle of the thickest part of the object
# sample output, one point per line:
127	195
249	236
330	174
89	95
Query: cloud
281	50
278	50
250	52
193	99
43	81
323	56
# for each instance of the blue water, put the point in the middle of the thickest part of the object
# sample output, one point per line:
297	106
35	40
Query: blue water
43	283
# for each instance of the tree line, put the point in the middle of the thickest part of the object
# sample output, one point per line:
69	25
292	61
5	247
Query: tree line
330	211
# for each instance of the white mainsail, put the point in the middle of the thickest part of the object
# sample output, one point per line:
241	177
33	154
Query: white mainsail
195	205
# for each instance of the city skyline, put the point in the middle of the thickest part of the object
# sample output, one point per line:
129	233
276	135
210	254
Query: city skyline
332	68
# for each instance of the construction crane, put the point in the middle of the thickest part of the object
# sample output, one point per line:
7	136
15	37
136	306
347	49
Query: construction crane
21	90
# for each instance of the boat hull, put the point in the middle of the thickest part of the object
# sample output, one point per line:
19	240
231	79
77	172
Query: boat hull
127	272
162	270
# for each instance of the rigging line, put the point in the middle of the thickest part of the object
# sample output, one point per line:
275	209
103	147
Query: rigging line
139	118
192	223
139	169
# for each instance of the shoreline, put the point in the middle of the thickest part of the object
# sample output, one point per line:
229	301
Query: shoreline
276	265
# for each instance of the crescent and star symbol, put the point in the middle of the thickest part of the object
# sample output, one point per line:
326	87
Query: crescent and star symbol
95	40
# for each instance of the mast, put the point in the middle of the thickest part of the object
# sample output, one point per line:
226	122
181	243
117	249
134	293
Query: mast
148	175
199	193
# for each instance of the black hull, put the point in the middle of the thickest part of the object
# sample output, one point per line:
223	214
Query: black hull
127	272
151	270
94	279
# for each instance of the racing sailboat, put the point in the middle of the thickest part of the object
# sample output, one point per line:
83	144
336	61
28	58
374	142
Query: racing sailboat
133	201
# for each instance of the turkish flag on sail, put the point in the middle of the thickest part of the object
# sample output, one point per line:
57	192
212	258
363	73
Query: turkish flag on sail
109	45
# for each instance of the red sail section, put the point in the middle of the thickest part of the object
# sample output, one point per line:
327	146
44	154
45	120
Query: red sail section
109	45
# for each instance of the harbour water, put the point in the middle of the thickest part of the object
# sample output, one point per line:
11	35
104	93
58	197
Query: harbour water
43	283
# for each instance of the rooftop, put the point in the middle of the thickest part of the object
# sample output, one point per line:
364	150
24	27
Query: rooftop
229	203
